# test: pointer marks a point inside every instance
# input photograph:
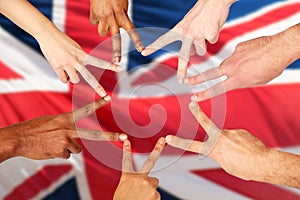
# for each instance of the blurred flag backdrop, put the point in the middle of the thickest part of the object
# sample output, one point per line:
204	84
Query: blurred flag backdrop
29	88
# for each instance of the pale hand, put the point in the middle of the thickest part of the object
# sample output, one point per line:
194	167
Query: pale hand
68	59
237	151
254	62
202	23
138	185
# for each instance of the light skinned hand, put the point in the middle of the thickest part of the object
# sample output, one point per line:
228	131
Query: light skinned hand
237	151
138	185
64	55
55	136
111	15
254	62
68	60
202	23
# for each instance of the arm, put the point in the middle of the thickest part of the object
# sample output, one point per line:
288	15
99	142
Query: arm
241	154
51	136
270	55
202	23
138	185
111	15
64	55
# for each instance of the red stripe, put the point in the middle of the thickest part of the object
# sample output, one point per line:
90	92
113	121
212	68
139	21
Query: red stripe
7	73
249	189
38	182
273	16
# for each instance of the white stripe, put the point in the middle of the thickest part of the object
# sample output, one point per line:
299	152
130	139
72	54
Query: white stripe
59	14
36	73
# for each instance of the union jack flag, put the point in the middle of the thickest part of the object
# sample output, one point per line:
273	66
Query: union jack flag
29	88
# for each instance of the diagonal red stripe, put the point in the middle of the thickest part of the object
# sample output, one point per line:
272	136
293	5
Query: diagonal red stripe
38	182
250	189
7	73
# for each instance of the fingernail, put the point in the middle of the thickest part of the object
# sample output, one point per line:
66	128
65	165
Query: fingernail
102	93
161	141
169	138
140	47
126	143
117	59
194	98
185	81
123	137
193	104
180	79
144	52
107	98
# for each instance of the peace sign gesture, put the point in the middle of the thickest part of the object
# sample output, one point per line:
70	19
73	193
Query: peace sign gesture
138	185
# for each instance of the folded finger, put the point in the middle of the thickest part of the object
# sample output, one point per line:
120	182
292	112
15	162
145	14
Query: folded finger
102	28
154	181
90	108
185	144
73	75
74	148
127	163
153	157
200	46
62	75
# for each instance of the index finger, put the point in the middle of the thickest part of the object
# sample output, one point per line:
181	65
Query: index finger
185	144
91	80
98	135
96	62
161	42
183	58
153	157
211	129
90	108
132	32
127	163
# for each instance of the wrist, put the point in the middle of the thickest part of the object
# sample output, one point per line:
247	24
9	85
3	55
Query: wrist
45	32
290	42
8	144
229	2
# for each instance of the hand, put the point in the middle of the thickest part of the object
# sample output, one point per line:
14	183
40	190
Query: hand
112	15
68	59
254	62
138	185
237	151
203	22
55	136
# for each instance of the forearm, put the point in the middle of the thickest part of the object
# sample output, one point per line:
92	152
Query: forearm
289	43
27	17
281	168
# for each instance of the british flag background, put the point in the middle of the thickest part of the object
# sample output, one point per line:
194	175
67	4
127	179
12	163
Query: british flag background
29	88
